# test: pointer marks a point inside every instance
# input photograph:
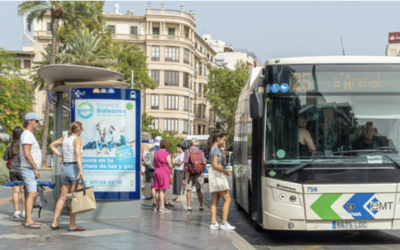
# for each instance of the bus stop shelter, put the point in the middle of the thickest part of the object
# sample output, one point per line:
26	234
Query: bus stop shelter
63	78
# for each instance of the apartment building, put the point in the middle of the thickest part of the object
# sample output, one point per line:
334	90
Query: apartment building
175	52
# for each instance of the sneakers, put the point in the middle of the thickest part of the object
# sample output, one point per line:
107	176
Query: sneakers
189	209
201	209
164	210
168	205
17	214
227	226
23	215
154	205
214	226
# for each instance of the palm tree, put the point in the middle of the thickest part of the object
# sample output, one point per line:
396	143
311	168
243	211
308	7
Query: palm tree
68	12
83	49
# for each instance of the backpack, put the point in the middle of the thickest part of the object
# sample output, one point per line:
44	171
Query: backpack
40	202
8	164
149	159
195	163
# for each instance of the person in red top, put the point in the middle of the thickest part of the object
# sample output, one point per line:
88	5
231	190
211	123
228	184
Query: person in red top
193	180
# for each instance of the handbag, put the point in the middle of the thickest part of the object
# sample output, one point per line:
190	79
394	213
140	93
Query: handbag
82	200
217	181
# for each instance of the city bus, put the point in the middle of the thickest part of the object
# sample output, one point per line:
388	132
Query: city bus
316	144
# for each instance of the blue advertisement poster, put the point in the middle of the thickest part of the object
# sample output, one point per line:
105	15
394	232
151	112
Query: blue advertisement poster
111	156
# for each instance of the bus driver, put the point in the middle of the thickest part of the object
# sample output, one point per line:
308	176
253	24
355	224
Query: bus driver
306	143
368	140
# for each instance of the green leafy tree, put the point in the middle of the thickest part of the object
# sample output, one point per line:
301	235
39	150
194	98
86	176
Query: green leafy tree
146	122
16	95
66	11
222	91
83	49
131	57
172	137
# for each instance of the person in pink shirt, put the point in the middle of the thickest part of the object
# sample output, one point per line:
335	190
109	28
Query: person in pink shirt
162	174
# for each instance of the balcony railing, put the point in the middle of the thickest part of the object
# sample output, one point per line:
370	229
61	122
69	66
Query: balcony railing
169	12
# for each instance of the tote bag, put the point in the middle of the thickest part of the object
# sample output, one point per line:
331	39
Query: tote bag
217	181
82	200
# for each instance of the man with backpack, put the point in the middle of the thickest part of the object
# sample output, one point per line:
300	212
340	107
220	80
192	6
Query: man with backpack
195	164
149	164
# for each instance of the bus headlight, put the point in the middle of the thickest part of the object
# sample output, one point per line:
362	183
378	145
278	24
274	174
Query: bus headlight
290	225
292	198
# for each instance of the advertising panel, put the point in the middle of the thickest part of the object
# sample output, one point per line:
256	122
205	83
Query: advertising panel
111	140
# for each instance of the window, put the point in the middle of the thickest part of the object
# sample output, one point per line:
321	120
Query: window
154	124
49	27
171	125
133	30
210	115
195	44
199	129
171	31
111	28
185	126
194	109
195	89
201	49
204	111
205	69
200	69
156	31
186	56
200	89
186	80
154	102
194	129
171	78
155	75
27	64
172	54
208	55
204	129
211	59
199	113
171	102
185	103
155	53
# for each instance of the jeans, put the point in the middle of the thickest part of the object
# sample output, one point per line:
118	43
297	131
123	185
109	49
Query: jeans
28	174
69	174
99	146
90	145
121	142
110	145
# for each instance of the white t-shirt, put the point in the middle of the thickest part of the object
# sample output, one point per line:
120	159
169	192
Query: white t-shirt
27	137
179	158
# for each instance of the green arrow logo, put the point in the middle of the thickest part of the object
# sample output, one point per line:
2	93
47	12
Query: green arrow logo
322	207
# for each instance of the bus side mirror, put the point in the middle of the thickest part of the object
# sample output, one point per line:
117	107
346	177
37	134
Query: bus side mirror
256	105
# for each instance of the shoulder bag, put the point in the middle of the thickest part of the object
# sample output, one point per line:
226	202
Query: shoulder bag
82	200
216	180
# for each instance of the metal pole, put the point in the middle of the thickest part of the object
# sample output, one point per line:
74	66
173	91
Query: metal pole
58	133
132	79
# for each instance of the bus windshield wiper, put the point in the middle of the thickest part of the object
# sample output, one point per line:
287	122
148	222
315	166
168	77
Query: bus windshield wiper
378	151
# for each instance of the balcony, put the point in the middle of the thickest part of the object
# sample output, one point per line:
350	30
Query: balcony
170	12
44	34
128	37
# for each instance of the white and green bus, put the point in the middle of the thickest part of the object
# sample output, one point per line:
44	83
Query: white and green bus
317	142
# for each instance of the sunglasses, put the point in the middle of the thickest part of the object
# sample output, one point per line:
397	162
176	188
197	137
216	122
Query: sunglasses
36	121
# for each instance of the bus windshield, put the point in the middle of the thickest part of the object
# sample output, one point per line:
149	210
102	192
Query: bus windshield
314	112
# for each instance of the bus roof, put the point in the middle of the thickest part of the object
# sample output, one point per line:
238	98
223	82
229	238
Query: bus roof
334	60
198	137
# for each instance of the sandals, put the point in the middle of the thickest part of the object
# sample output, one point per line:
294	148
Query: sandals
77	229
33	226
56	227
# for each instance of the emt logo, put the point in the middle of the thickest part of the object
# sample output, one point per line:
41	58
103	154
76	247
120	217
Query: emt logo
85	110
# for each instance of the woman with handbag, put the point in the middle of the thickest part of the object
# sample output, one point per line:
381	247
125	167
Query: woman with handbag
218	184
13	159
71	160
162	175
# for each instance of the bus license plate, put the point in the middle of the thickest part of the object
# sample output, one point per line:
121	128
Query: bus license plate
349	224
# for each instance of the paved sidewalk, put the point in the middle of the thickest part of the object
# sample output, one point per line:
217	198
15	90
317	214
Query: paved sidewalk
154	230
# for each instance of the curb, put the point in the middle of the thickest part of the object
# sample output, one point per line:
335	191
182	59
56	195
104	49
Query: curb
238	241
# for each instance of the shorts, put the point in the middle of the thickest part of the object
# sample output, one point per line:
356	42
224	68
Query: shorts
69	174
195	180
28	175
16	177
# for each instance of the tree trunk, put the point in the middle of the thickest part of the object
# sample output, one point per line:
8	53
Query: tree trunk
49	87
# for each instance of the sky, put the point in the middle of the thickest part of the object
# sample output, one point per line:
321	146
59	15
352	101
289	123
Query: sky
269	29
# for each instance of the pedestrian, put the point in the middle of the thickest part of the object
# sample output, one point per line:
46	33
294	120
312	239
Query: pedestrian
13	159
162	175
149	164
177	160
72	171
215	141
31	161
195	164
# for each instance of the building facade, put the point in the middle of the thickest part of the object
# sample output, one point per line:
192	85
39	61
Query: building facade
175	53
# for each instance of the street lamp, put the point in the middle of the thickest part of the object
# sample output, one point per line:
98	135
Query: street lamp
190	84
